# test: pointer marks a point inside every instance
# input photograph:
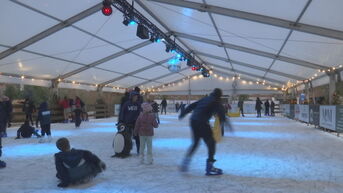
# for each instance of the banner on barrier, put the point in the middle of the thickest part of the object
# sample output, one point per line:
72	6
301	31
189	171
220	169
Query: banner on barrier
328	117
314	115
339	118
296	112
304	113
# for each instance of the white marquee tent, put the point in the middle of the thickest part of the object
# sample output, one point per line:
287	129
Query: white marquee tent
273	42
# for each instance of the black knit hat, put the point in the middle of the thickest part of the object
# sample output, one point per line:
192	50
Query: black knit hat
217	92
63	144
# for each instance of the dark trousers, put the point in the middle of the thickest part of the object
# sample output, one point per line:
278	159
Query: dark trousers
258	112
45	129
78	113
267	111
165	109
241	110
29	118
202	130
136	138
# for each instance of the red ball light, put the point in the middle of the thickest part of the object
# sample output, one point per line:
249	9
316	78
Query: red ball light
194	68
107	10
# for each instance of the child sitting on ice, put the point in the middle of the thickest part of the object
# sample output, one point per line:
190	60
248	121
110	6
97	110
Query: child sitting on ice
145	124
26	131
75	166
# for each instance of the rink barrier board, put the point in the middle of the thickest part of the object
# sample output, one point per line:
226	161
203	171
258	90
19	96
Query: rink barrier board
327	117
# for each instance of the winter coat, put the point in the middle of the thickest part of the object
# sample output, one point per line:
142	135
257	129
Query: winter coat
266	105
78	103
130	112
75	165
258	105
64	103
240	104
145	124
204	109
44	115
29	107
3	116
272	105
155	108
25	130
164	103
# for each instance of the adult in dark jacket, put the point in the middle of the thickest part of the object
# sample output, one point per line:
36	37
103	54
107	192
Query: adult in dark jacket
28	109
266	106
272	108
240	106
9	110
26	131
129	115
164	106
75	166
44	118
3	118
203	110
258	106
123	100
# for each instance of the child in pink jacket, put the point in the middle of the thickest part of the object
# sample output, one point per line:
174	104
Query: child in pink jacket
144	127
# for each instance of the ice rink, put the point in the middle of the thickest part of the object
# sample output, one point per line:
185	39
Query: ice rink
268	154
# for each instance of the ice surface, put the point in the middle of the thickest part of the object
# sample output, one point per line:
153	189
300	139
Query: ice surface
268	154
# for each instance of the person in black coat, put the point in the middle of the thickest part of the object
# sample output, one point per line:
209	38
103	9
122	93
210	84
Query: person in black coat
240	106
75	166
203	110
130	112
44	118
258	106
28	109
2	163
266	106
26	131
164	106
123	100
3	118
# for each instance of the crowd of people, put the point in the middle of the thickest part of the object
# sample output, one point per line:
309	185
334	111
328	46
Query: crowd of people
137	120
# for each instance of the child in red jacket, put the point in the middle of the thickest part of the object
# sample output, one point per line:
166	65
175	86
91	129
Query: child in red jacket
145	124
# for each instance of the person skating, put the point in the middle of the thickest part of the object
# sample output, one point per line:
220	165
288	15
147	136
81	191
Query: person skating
164	106
266	106
75	166
258	106
44	119
144	128
26	131
240	106
77	112
203	110
2	163
130	112
3	118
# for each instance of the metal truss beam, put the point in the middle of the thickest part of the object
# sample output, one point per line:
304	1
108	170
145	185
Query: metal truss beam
51	30
247	73
252	66
317	30
251	51
135	72
108	58
160	77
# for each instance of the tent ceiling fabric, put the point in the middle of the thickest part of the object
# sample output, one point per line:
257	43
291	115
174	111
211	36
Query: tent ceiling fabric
81	44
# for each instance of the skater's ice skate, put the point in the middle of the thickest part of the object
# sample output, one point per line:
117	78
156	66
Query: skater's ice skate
211	171
185	164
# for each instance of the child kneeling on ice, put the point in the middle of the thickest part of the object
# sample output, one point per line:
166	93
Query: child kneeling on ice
44	119
75	166
145	124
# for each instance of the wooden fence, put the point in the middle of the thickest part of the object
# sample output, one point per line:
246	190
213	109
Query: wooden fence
94	111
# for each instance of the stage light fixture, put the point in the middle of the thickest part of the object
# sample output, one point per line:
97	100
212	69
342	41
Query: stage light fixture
167	48
128	20
106	9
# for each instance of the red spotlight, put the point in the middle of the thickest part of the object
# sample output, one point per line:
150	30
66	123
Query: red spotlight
107	10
